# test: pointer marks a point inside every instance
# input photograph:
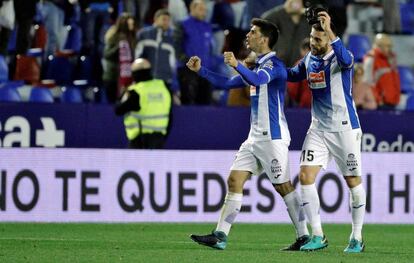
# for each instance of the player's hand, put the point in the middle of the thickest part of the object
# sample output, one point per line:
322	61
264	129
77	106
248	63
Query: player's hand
325	20
230	59
194	63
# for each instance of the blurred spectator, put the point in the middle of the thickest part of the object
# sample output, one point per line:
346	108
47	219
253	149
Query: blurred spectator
193	37
178	10
95	18
120	40
361	91
392	16
299	93
337	10
147	108
256	8
25	11
53	14
137	8
293	27
156	44
380	71
6	25
95	15
153	6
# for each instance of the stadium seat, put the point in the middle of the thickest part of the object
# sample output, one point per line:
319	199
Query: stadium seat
74	39
406	79
27	69
14	84
359	45
410	103
41	95
84	69
8	94
407	18
71	95
59	69
4	70
11	46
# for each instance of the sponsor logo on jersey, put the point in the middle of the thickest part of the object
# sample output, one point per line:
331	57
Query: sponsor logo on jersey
317	80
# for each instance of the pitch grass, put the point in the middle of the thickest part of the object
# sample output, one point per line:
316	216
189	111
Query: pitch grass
21	242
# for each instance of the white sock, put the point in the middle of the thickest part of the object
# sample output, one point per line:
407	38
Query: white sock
296	214
311	205
229	211
357	200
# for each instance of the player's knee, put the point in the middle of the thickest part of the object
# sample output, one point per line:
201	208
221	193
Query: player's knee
353	181
284	189
234	184
306	178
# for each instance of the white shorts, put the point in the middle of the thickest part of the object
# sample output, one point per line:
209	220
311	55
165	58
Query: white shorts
345	147
268	156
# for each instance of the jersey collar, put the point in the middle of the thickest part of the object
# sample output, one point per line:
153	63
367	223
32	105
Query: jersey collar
326	57
263	58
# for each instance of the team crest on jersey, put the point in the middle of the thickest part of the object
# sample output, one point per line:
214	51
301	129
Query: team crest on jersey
317	80
252	90
268	64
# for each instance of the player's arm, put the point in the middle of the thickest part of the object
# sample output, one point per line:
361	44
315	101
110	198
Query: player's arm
344	56
218	80
221	81
262	76
298	72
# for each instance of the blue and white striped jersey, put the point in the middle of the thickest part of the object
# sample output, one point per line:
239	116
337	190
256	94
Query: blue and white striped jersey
267	89
330	80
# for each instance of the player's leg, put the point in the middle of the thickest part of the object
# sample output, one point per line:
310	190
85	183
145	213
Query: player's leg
273	157
346	149
229	211
357	203
243	166
315	155
293	203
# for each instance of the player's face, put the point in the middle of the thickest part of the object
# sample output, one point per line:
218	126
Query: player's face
319	42
254	38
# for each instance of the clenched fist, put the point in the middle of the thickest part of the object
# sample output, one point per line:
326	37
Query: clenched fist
230	59
194	63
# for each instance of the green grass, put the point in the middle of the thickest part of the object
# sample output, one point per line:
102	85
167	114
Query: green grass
21	242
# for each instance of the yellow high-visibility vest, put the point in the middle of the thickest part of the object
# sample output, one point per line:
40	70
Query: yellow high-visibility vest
155	103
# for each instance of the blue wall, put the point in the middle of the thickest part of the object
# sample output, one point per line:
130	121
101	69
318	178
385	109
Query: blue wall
96	126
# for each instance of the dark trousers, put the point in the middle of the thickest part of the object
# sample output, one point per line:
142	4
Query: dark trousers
194	89
154	140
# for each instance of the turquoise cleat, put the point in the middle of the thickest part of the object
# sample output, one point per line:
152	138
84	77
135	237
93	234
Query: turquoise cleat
217	240
355	246
315	243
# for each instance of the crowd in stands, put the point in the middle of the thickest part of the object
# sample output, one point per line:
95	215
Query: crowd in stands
82	50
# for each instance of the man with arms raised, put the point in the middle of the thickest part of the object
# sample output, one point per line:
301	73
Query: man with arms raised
266	148
334	132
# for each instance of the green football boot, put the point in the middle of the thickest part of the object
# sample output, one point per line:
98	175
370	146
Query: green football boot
315	243
217	240
355	246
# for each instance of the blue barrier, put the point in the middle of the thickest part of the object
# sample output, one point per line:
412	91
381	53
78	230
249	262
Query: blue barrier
193	127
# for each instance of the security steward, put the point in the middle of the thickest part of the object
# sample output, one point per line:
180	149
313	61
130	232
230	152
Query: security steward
146	106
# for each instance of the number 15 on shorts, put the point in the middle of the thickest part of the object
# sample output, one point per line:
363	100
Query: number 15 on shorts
307	155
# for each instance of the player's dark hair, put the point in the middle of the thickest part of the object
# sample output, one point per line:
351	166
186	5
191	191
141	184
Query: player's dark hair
268	29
